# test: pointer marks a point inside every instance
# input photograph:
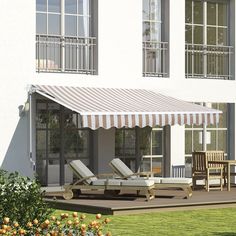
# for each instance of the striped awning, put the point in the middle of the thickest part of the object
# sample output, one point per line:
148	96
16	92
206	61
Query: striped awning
114	107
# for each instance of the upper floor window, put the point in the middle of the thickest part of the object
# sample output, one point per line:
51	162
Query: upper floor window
154	49
152	20
64	40
207	52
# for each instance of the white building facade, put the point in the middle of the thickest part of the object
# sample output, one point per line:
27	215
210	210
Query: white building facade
179	48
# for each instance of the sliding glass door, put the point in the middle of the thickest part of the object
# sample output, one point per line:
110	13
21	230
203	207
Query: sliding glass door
59	140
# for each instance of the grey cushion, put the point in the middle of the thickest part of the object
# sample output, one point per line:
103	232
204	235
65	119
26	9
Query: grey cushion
110	182
82	171
138	182
176	181
99	182
114	182
121	168
157	180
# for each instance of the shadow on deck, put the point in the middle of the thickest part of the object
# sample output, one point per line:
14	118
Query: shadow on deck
166	200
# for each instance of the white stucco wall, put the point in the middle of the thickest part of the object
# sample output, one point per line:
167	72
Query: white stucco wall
17	23
177	140
120	65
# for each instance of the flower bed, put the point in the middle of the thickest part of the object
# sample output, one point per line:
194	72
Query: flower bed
63	226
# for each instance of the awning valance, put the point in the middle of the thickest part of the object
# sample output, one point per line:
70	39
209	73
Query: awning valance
114	107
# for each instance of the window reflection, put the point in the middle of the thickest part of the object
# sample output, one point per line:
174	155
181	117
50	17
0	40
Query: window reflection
71	25
83	26
76	20
222	14
188	12
197	12
211	36
207	28
150	145
54	24
211	13
188	33
145	10
54	6
71	6
41	5
157	142
83	7
198	34
152	20
222	36
215	23
41	22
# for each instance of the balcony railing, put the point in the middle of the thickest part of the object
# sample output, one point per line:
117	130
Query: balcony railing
155	59
65	54
208	61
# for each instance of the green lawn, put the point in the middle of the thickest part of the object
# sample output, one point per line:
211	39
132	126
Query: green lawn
217	222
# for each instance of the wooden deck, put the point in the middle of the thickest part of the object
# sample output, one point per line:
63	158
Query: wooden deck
166	200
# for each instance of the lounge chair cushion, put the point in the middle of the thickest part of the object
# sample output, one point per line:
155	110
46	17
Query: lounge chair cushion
176	180
157	180
121	167
99	182
103	182
82	170
138	182
114	182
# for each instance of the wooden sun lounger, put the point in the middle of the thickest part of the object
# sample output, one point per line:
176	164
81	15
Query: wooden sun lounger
110	186
124	172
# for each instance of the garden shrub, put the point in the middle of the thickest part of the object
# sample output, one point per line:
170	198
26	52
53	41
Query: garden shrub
21	199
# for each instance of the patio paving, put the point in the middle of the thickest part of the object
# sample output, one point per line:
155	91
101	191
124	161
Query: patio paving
166	200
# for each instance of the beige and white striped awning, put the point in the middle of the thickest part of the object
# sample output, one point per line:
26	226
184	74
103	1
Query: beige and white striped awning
114	107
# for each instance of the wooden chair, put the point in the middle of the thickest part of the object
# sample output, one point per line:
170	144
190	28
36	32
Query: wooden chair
216	156
202	170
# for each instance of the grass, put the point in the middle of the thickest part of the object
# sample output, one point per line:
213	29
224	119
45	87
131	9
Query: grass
217	222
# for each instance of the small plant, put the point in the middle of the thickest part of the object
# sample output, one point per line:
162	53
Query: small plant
21	199
64	226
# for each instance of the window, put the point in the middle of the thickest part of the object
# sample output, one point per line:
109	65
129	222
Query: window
216	135
152	150
149	150
125	143
154	50
64	39
207	51
58	141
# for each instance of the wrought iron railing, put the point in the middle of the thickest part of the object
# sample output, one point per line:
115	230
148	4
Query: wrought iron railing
65	54
155	59
208	61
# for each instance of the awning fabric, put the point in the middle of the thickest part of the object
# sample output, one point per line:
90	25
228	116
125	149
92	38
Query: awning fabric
114	107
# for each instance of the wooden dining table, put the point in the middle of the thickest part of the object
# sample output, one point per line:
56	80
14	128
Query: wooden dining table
227	164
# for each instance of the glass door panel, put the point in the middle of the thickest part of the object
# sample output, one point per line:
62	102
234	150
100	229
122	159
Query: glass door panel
152	160
153	164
